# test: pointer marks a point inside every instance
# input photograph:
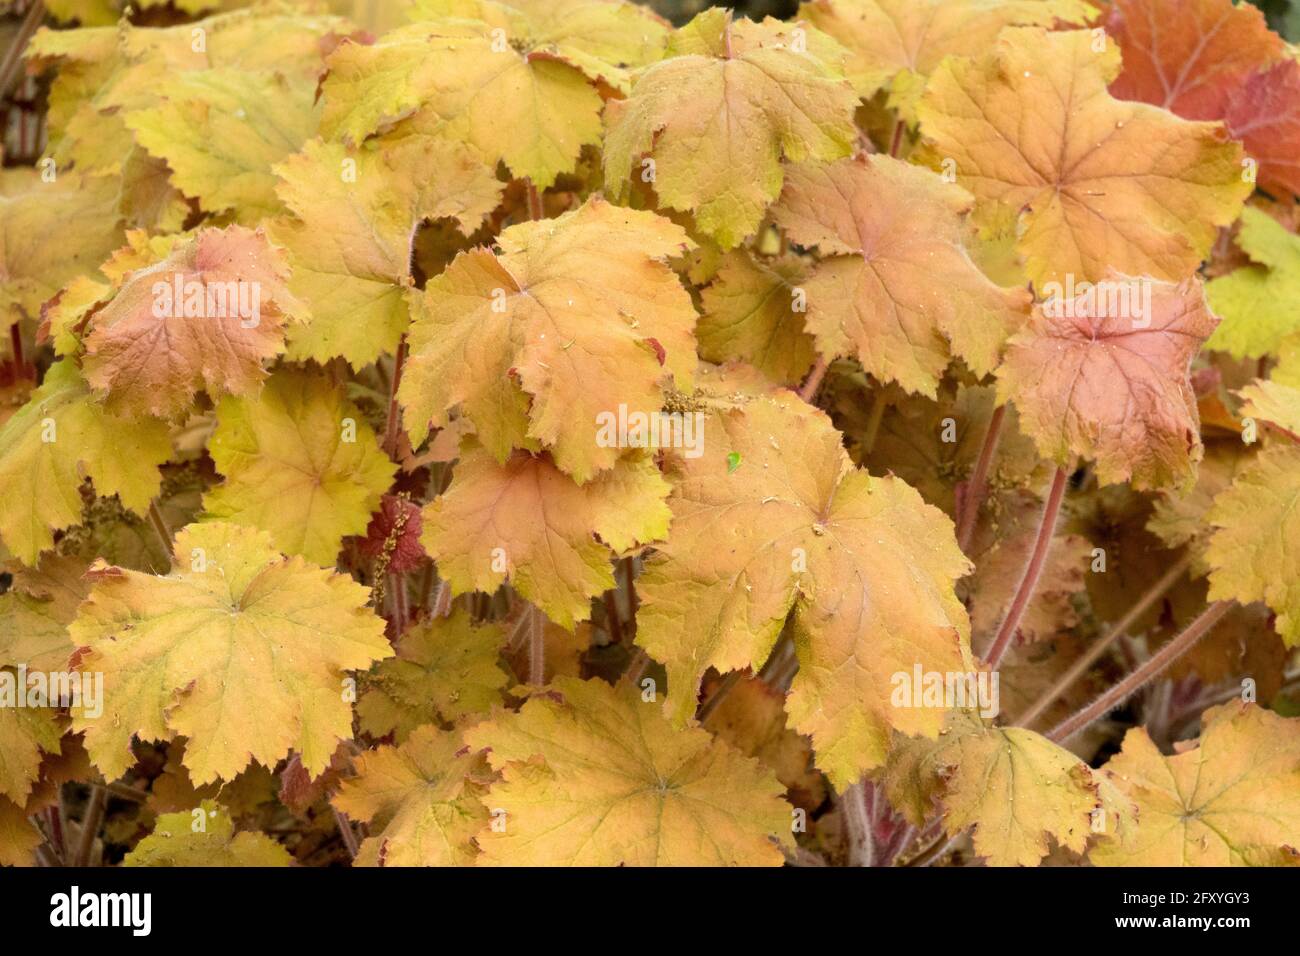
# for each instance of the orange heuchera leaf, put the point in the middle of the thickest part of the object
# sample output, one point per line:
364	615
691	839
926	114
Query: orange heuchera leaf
1188	56
1264	113
206	317
719	114
753	312
591	775
528	523
774	518
1214	803
573	319
1103	183
889	37
284	631
895	285
1015	787
350	244
423	801
1107	377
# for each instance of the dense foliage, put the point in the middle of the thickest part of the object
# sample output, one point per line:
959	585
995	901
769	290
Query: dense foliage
462	432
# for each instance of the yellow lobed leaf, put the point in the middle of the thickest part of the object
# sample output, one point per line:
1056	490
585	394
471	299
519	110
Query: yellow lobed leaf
81	210
1221	802
594	776
719	115
357	211
773	518
19	838
60	437
605	39
26	733
1254	552
445	669
1179	518
751	717
239	649
1257	300
175	842
888	37
1020	791
221	131
1110	381
208	316
752	313
575	319
528	523
1104	184
1274	401
35	613
423	801
896	287
110	75
300	462
453	79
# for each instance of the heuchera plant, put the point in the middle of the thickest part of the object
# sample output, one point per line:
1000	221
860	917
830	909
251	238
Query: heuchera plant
525	432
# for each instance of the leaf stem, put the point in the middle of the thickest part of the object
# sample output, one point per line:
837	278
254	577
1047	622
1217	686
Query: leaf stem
896	140
808	391
535	208
346	831
1122	627
973	497
858	824
1033	571
54	817
159	525
90	825
393	423
879	403
16	341
536	647
1147	671
14	54
935	850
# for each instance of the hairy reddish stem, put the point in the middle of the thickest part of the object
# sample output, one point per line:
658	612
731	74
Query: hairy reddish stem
896	141
1033	571
13	59
16	341
346	831
1147	671
858	824
535	209
808	391
973	498
1122	627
